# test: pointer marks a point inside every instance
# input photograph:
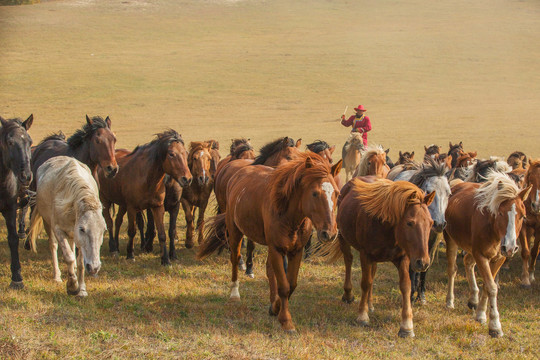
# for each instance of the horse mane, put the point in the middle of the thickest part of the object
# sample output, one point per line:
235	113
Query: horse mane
317	146
497	189
87	131
521	156
273	148
288	177
363	167
532	166
482	168
54	136
237	143
387	200
159	146
239	150
10	125
428	169
196	146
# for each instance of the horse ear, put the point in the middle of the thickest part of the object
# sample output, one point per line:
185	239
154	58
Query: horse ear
428	199
298	143
500	185
337	168
108	121
3	121
450	144
309	162
473	154
425	148
412	155
400	154
524	194
332	148
530	161
28	122
88	120
461	143
387	151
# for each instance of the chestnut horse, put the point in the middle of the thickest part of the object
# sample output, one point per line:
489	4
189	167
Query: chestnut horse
140	184
432	151
405	158
15	177
531	227
373	162
277	208
462	166
352	153
384	221
485	221
240	149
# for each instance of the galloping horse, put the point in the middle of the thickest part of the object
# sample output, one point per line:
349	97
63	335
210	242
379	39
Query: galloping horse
277	208
68	206
405	158
373	162
517	160
140	185
323	149
384	221
352	153
240	149
531	226
485	221
15	175
430	177
462	166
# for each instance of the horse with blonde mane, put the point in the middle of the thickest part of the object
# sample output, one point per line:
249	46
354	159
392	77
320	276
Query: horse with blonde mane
384	221
277	208
68	206
352	153
373	162
485	221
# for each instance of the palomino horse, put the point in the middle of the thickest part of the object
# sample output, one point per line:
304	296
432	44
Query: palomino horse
485	221
140	185
276	208
430	177
531	227
518	160
68	206
454	152
93	145
352	153
15	176
384	221
373	162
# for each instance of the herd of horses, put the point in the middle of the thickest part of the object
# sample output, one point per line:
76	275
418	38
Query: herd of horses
282	196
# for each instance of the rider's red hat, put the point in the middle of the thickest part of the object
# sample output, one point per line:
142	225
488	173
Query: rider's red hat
360	107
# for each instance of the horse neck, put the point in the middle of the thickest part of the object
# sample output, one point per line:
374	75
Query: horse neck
294	216
82	153
5	171
151	170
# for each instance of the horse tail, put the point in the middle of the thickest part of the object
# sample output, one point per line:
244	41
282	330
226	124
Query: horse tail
215	237
328	252
36	225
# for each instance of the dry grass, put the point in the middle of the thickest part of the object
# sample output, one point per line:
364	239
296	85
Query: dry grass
429	72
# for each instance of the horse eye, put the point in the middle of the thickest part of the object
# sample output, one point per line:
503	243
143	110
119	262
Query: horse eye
289	158
81	229
315	194
170	154
409	223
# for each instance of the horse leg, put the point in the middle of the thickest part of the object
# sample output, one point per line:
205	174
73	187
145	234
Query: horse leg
422	288
158	213
249	259
188	211
13	241
488	269
469	262
22	216
140	225
173	216
150	232
132	213
413	276
365	284
235	244
293	269
72	285
451	269
534	253
347	297
406	327
370	295
200	222
80	274
108	220
525	256
283	289
53	246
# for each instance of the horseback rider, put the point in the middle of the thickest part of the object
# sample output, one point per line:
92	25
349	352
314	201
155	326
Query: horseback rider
360	122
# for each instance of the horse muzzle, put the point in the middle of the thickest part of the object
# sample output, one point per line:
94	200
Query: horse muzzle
439	227
111	171
326	236
508	252
92	270
419	265
25	178
185	181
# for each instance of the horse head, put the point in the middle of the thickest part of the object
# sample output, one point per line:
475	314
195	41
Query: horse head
88	236
175	161
101	142
532	178
200	162
15	145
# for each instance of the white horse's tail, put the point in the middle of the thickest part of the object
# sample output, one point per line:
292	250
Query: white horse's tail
36	225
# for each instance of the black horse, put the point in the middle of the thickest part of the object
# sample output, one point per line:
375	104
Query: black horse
15	177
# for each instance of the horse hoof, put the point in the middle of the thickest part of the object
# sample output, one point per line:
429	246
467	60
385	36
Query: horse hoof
271	312
495	333
363	323
346	300
242	266
189	245
526	286
82	293
291	332
16	285
166	262
57	280
481	320
234	299
130	257
26	244
472	305
250	275
115	254
406	333
173	257
450	306
72	291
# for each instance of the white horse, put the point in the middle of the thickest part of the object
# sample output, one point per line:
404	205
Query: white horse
68	206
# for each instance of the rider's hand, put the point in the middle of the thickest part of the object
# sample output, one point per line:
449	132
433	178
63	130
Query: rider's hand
343	117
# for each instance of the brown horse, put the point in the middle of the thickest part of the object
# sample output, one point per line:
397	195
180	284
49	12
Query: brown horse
322	148
384	221
352	153
518	160
277	208
531	227
373	163
140	185
240	149
463	165
432	151
405	158
485	221
454	152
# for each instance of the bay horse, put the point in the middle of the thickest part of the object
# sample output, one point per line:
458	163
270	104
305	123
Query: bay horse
140	185
15	177
277	208
517	160
454	152
240	149
384	221
405	158
93	145
531	228
484	220
462	166
430	177
68	206
432	151
373	162
352	153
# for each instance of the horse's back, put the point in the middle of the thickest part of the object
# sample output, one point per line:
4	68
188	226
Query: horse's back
460	211
45	151
222	179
